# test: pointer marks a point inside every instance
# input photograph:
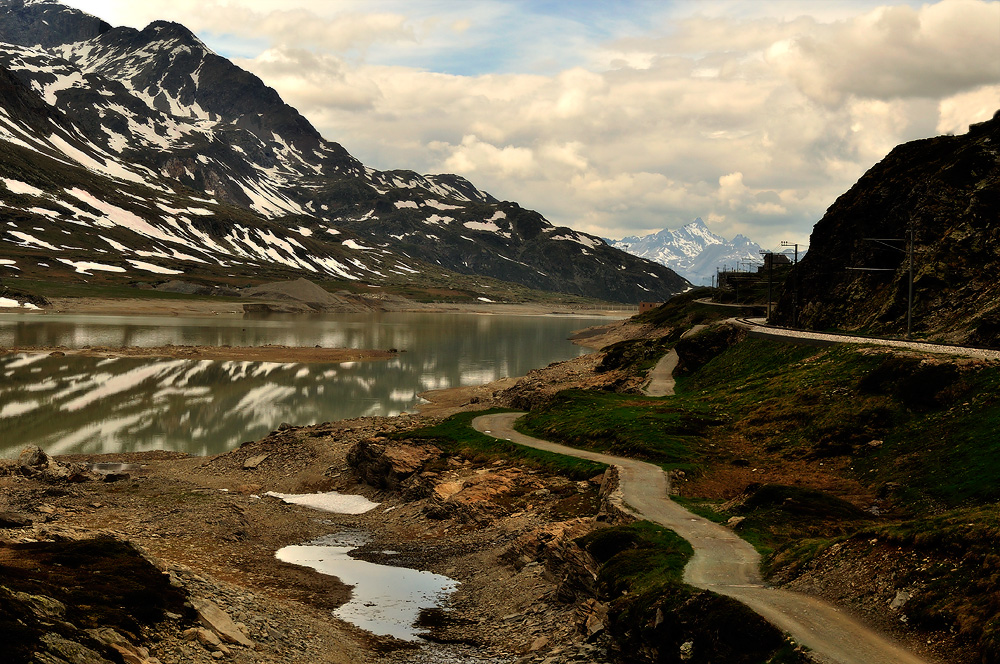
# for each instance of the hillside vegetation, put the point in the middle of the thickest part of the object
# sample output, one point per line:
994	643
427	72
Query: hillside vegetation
863	474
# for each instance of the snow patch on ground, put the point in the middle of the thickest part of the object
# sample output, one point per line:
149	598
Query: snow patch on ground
437	205
438	219
27	240
85	267
18	187
578	238
150	267
482	226
331	501
8	303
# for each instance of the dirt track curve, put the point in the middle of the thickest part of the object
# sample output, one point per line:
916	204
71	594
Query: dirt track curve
726	564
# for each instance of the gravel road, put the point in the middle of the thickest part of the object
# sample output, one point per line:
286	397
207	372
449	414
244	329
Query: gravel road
726	564
758	329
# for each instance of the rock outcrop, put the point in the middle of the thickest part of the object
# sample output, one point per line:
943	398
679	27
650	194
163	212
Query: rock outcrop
394	466
856	274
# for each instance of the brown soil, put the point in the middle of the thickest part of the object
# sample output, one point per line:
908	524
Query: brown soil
208	522
228	308
145	306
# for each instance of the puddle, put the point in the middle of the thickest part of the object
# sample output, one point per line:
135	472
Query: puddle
385	600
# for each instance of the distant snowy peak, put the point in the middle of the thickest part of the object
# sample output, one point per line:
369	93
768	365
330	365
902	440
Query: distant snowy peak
693	251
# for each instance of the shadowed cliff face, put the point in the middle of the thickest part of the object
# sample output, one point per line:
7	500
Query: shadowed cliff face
947	189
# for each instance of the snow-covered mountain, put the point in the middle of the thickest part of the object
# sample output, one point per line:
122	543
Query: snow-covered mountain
141	152
693	251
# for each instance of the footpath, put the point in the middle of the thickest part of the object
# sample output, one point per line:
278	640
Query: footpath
726	564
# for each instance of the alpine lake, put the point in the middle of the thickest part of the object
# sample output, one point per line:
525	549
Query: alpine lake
88	405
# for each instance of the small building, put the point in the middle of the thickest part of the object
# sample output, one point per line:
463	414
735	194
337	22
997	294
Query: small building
774	260
649	306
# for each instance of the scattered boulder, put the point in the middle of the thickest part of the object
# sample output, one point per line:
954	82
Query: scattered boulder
13	520
593	618
32	456
217	620
34	462
69	651
555	547
388	465
42	606
253	462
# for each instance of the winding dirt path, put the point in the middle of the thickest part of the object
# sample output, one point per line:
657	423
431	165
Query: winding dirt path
726	564
661	378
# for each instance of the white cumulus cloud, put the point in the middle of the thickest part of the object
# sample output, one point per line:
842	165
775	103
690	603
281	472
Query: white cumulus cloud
623	118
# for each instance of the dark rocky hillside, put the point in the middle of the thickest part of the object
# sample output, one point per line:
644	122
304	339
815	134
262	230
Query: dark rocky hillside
163	139
47	24
947	189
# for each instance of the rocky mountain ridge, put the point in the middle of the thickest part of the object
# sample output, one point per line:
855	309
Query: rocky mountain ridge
947	191
147	148
693	250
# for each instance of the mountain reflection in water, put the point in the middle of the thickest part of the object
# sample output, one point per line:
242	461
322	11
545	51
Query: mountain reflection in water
86	405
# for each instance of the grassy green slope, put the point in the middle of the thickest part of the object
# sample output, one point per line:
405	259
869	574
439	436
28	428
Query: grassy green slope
816	446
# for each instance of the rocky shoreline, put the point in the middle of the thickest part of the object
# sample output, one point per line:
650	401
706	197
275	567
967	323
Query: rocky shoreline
206	526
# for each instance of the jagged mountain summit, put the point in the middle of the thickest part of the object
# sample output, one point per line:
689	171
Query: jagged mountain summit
123	147
947	191
693	251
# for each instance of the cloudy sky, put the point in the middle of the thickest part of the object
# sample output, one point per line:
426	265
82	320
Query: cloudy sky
619	117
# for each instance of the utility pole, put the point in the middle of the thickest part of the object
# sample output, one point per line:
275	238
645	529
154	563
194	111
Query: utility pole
909	259
795	282
769	261
909	296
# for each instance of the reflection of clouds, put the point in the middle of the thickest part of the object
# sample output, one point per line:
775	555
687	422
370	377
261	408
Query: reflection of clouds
384	600
476	376
429	382
91	405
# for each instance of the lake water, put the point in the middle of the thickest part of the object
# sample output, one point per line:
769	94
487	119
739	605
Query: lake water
79	405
